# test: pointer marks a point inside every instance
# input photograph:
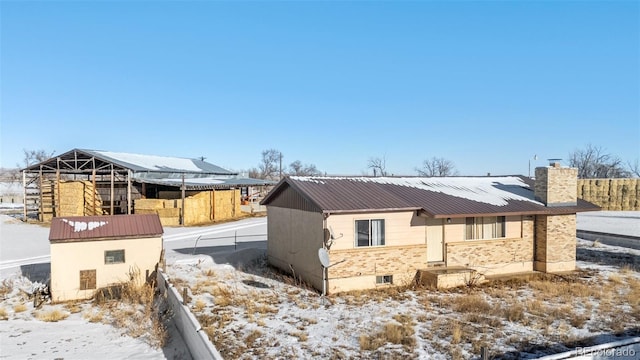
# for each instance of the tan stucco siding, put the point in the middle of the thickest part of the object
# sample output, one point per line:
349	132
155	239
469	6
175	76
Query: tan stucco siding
68	259
294	237
401	228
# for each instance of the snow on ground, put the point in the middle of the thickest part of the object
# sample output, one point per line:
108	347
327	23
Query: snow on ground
614	222
253	312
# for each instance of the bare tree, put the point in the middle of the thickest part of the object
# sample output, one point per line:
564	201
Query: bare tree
378	165
297	168
634	168
31	157
34	156
593	162
437	167
270	166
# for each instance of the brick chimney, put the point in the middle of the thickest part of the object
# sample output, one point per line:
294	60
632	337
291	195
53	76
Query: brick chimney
555	235
556	186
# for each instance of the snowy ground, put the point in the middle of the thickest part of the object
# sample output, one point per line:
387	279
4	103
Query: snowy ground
253	312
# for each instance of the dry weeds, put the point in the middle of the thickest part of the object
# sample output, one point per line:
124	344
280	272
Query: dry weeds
51	315
18	308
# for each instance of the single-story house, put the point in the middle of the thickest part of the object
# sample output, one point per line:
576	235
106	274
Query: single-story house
182	191
92	252
381	231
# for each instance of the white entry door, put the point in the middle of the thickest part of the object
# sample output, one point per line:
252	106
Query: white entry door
435	240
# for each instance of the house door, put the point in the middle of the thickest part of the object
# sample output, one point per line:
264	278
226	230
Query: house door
435	240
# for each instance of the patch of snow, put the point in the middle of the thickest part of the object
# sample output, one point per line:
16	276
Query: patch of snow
153	162
613	222
496	191
79	226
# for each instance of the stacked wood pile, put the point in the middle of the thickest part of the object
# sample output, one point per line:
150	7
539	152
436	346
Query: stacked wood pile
201	207
611	194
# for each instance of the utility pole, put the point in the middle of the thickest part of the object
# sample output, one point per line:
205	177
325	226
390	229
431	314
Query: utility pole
280	178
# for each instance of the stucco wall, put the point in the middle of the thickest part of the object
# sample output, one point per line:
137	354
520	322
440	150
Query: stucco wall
294	237
68	259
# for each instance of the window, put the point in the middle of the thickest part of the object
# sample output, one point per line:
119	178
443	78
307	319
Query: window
87	279
114	256
384	279
490	227
369	232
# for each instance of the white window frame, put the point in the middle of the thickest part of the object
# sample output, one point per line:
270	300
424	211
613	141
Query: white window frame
373	241
110	259
477	228
384	279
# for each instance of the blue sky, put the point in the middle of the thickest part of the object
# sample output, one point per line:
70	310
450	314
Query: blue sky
484	84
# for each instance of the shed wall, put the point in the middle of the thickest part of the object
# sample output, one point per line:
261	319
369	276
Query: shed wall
68	259
294	237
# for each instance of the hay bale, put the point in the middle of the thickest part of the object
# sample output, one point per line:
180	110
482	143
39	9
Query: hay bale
148	204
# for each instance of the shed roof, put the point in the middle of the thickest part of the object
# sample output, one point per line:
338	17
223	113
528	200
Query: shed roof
89	228
437	197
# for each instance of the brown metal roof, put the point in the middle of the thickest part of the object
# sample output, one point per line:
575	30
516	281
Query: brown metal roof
436	197
87	228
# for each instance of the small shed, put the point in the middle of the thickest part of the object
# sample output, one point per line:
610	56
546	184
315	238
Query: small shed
92	252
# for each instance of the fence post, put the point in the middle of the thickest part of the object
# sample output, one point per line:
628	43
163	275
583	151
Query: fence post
235	240
484	353
184	296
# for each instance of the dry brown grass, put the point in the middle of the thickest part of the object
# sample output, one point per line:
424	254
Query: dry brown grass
251	338
3	314
18	308
51	315
199	305
133	307
73	307
6	287
94	317
473	303
400	332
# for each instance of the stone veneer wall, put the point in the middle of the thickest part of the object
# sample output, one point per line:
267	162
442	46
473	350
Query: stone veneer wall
555	243
362	263
492	257
556	185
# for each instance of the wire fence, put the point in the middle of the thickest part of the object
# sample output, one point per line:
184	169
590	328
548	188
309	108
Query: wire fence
235	238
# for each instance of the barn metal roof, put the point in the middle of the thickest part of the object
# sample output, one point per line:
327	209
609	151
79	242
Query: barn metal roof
207	183
436	197
107	227
79	159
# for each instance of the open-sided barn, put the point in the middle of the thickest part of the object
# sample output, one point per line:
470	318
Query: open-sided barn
84	182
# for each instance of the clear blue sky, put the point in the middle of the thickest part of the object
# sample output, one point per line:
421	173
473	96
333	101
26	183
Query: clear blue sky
484	84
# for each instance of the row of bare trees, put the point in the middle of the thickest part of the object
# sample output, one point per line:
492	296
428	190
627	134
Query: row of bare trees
271	167
592	162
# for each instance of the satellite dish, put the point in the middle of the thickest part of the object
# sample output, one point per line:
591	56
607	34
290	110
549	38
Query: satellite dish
323	255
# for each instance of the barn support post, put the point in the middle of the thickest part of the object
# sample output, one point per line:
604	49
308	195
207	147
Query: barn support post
24	194
213	204
182	207
41	209
129	192
55	202
111	192
233	202
93	183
